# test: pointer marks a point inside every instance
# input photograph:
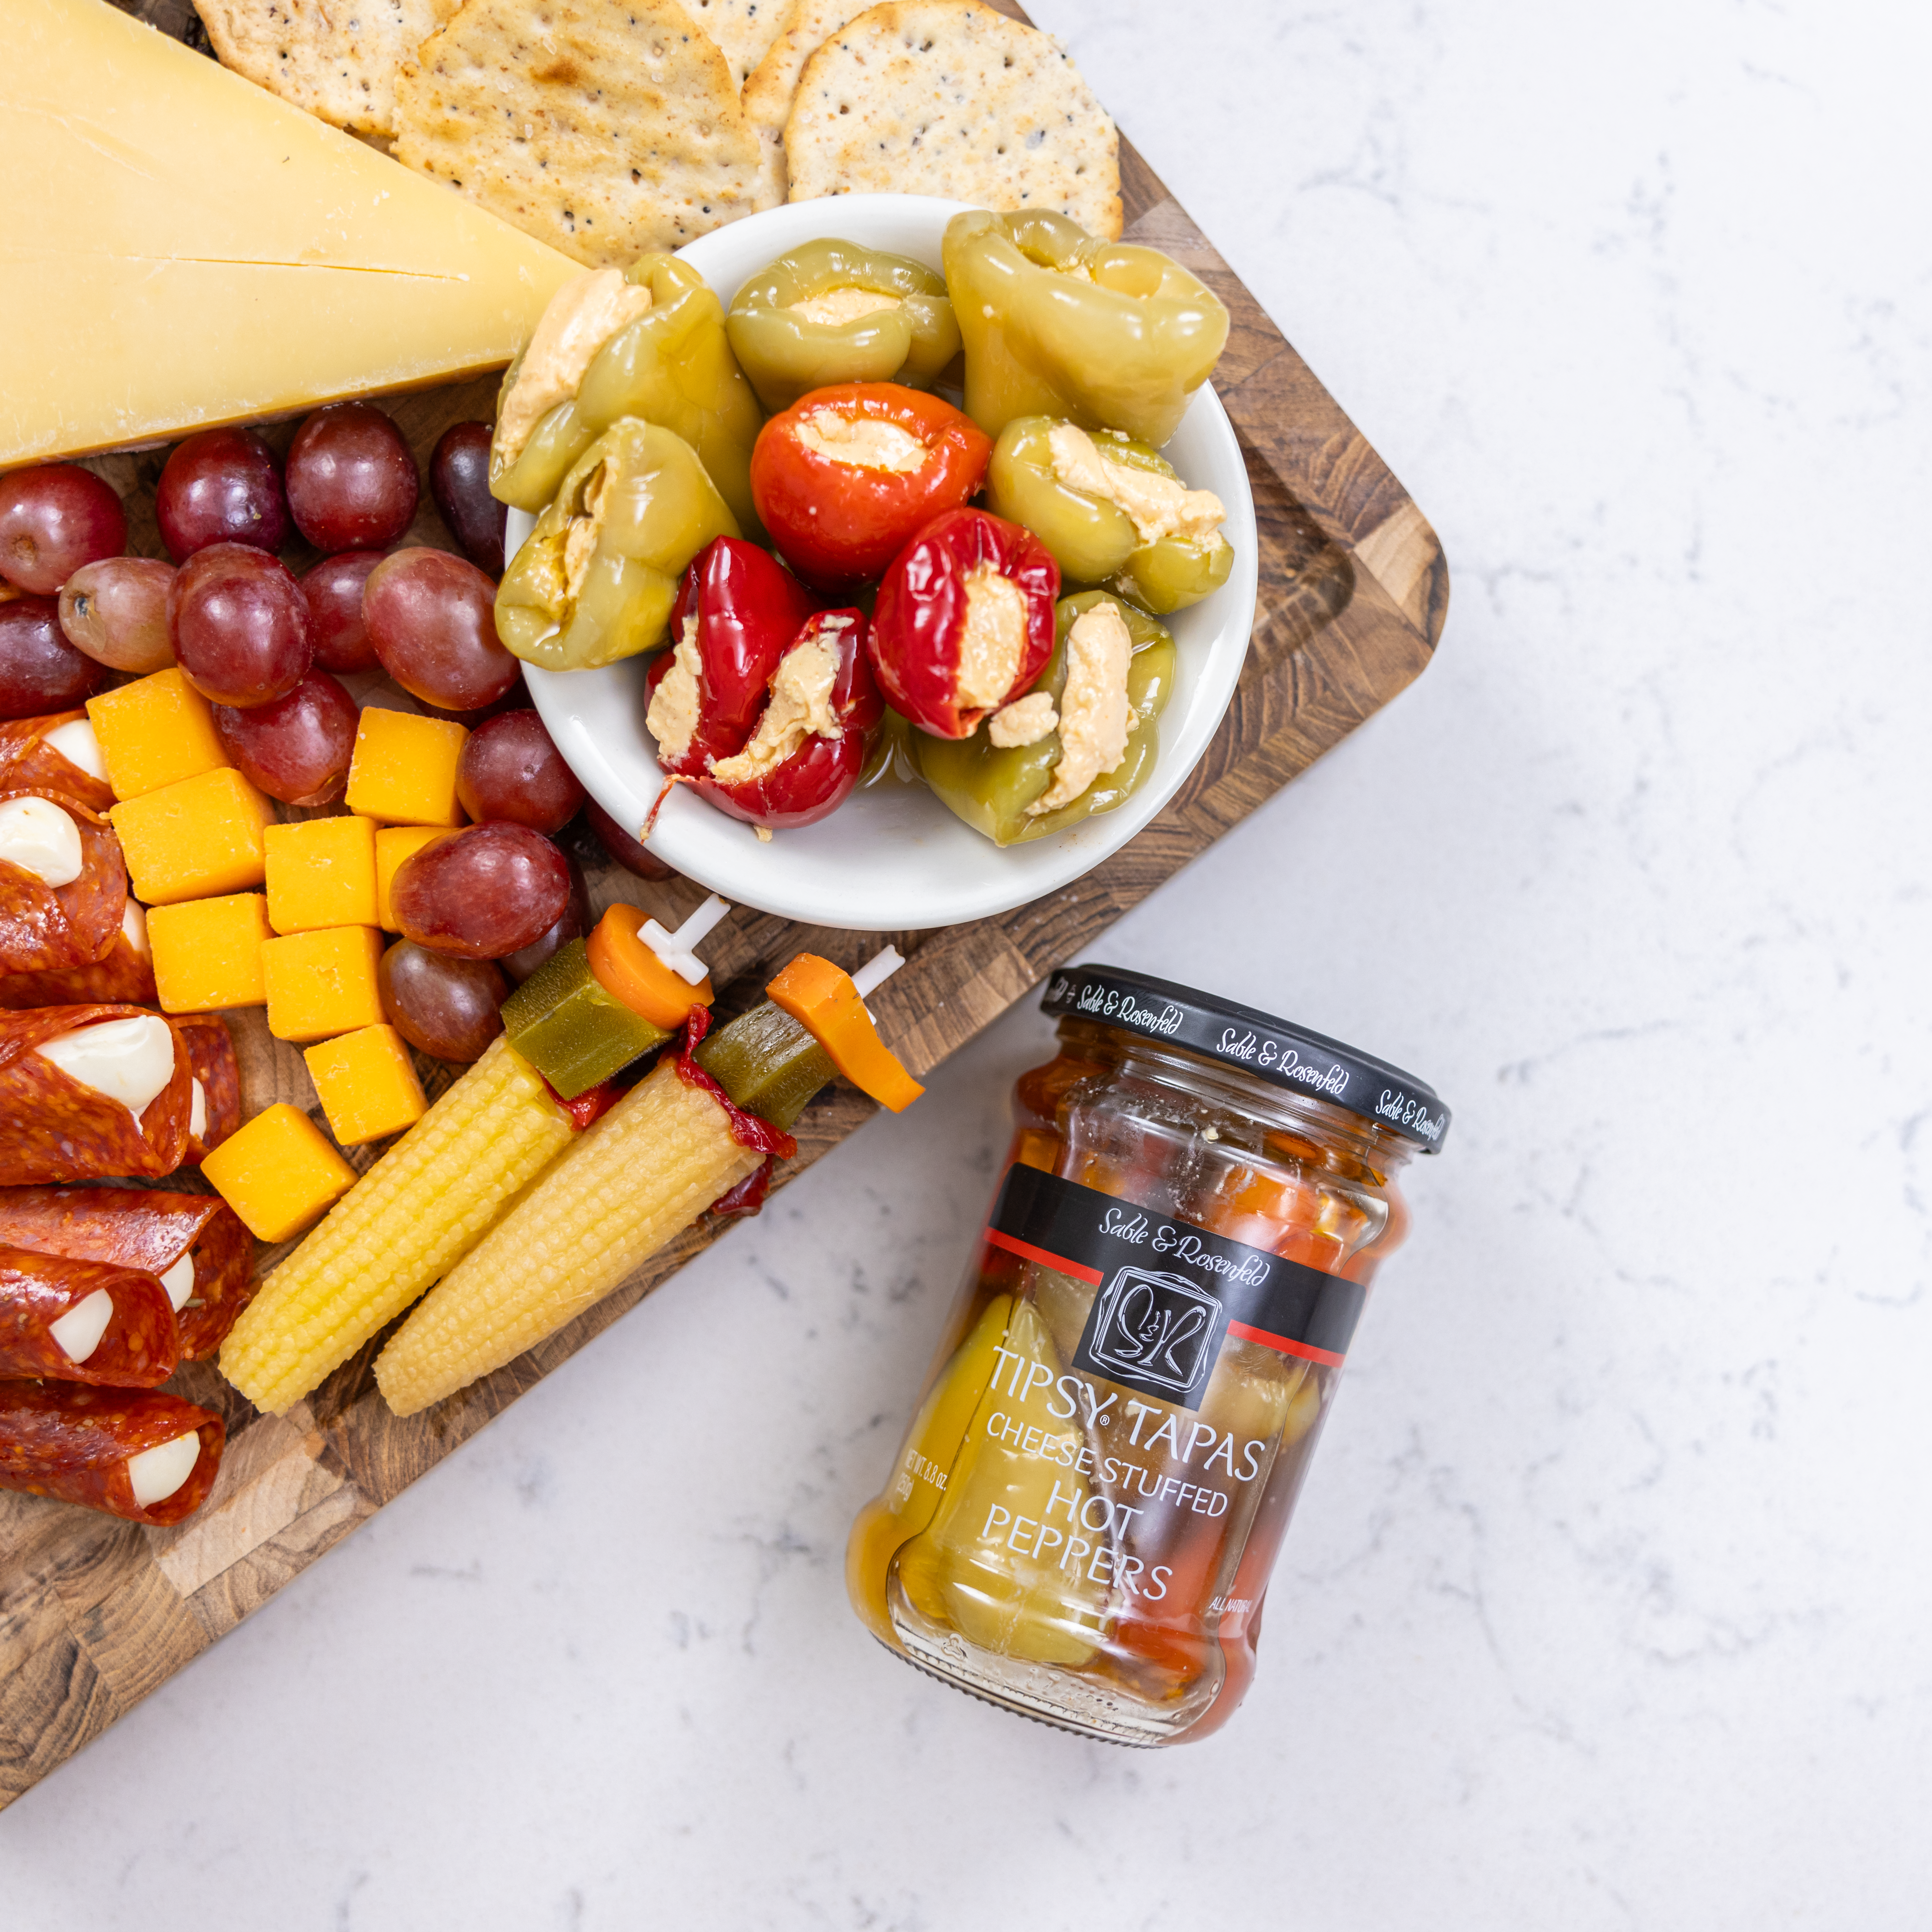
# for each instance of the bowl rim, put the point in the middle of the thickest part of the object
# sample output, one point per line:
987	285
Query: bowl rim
1041	867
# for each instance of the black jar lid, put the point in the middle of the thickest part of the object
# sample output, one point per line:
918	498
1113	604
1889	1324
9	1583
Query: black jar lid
1274	1050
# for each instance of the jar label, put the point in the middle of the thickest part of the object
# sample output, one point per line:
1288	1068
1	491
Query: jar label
1169	1293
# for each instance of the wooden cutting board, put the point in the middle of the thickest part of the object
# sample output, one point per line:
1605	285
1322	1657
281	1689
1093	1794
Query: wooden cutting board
95	1613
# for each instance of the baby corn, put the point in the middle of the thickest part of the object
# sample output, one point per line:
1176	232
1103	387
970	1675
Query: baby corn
647	1170
412	1217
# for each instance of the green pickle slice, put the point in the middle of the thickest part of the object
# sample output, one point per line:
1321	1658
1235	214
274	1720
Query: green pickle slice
990	787
768	1063
570	1029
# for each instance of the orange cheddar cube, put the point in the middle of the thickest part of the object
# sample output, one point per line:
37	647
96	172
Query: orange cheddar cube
321	983
279	1173
321	872
154	732
368	1084
208	952
193	839
394	844
403	770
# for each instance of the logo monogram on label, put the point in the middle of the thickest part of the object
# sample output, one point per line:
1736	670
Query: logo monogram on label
1155	1330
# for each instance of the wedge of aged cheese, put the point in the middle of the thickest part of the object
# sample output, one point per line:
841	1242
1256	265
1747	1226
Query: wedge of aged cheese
180	249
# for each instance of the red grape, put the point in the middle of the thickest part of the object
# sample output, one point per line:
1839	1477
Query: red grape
295	748
432	618
54	520
510	769
39	670
487	891
351	481
334	589
631	853
459	479
223	486
575	922
116	611
443	1006
240	624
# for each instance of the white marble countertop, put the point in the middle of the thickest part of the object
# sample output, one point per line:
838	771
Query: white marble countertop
1606	1605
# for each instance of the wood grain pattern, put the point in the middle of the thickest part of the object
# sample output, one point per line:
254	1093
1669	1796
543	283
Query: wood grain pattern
95	1613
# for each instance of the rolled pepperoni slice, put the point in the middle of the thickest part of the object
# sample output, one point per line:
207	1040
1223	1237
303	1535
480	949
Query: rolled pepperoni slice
56	753
216	1112
137	1453
124	976
85	1322
63	885
156	1233
61	1072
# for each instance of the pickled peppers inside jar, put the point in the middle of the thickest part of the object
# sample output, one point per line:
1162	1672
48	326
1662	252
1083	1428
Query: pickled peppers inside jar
1112	511
595	580
649	344
1085	703
1085	1509
1105	334
832	312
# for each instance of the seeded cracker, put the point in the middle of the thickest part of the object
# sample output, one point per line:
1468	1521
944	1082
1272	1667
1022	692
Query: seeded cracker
948	97
744	30
605	127
770	92
337	60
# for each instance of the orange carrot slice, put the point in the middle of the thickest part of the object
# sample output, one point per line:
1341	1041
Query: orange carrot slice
629	971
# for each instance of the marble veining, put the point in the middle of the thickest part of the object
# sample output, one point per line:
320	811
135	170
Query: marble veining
1606	1604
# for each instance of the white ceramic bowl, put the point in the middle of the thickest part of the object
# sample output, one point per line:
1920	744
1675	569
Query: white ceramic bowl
892	858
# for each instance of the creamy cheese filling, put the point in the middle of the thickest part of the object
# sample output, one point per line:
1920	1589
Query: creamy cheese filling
155	1473
580	539
1160	506
36	836
1025	721
77	1333
992	639
1095	716
672	719
179	1281
800	706
863	441
134	924
582	315
75	742
833	308
129	1060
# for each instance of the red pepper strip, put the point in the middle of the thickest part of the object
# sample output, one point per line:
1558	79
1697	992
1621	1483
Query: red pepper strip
749	1196
919	622
840	518
747	1130
590	1104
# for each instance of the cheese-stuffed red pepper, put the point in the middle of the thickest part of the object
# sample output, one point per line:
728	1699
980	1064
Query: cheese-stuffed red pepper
92	1093
134	1452
847	476
964	621
63	886
781	750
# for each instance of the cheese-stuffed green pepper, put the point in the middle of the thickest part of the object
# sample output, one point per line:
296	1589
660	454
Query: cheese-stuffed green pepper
595	581
1079	742
1111	511
833	312
650	343
1107	335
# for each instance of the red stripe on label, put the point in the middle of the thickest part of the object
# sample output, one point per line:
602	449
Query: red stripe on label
1326	1357
1028	1252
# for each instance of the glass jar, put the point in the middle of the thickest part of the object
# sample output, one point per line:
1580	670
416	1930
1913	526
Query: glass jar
1080	1524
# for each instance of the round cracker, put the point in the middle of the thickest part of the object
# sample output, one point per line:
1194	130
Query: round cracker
605	127
771	89
744	30
948	97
